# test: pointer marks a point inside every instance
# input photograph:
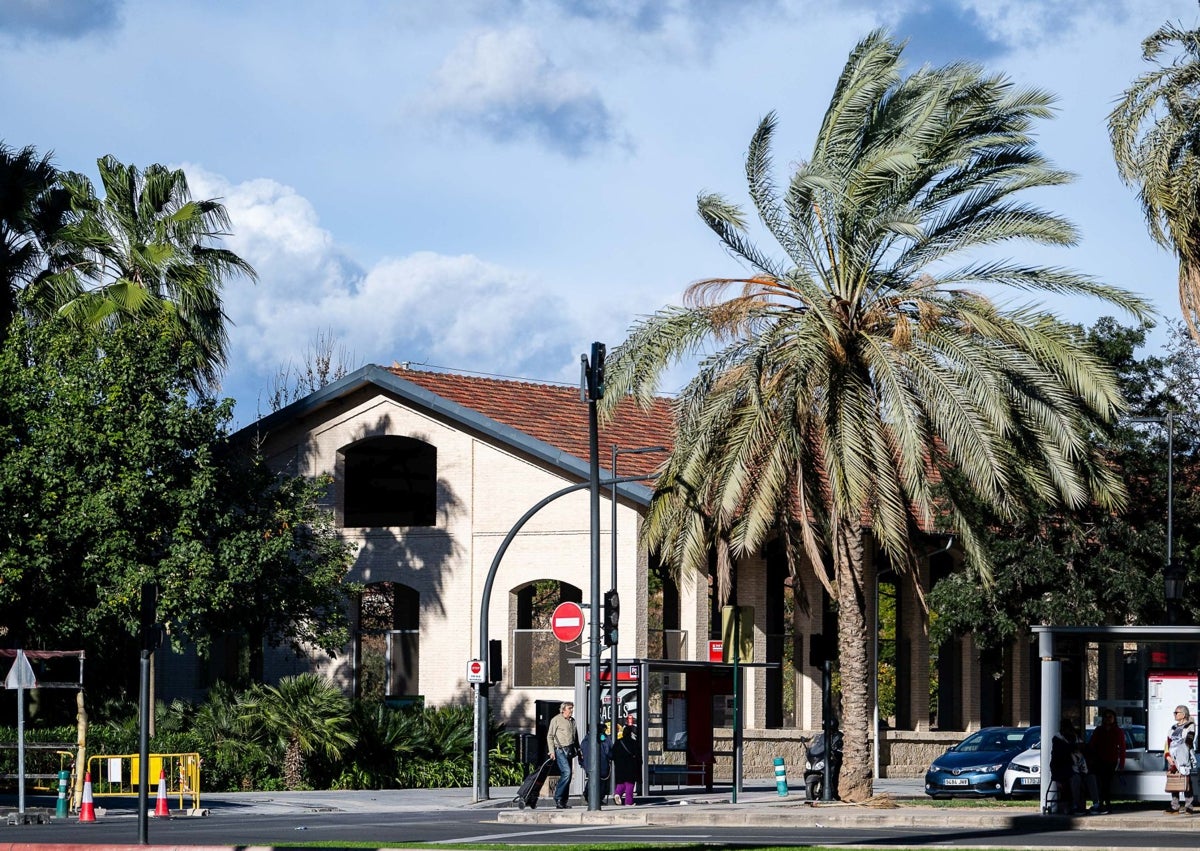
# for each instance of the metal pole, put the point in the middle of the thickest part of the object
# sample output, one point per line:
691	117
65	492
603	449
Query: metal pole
481	700
737	655
1170	488
612	685
594	655
828	726
144	750
615	658
20	740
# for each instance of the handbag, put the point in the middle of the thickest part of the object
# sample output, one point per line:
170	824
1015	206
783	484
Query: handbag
1176	782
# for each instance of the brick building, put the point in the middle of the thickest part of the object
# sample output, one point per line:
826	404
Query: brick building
432	469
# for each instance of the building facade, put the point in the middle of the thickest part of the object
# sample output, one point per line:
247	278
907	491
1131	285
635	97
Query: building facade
431	470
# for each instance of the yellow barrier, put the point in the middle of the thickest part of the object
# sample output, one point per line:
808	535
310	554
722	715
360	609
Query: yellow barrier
118	775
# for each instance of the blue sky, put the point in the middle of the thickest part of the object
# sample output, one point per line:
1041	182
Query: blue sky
491	185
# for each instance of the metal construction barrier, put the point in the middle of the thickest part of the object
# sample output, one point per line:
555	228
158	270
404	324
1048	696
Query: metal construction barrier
118	775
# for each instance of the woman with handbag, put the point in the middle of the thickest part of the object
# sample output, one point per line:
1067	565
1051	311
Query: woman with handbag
1180	760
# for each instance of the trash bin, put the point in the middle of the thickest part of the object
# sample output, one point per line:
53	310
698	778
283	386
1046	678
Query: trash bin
527	748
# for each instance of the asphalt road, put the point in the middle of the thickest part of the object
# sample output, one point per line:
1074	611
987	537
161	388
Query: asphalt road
395	818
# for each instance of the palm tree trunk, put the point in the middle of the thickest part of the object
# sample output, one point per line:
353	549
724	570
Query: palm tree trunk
293	765
853	663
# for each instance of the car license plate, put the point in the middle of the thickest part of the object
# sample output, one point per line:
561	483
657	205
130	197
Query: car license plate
1030	781
956	781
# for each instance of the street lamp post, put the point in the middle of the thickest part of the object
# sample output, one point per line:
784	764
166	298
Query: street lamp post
612	670
1174	574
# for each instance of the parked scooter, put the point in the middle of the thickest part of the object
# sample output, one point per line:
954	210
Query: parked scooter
814	766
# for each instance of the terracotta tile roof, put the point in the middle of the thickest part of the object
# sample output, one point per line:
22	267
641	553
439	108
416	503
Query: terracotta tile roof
556	415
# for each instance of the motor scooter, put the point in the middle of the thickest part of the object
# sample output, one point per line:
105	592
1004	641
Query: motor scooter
814	765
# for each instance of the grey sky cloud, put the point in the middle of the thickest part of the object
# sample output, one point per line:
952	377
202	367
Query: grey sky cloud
502	84
58	19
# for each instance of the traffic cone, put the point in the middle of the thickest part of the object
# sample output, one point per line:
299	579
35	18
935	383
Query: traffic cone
87	808
161	810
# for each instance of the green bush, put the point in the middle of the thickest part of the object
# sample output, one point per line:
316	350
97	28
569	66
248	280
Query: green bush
405	748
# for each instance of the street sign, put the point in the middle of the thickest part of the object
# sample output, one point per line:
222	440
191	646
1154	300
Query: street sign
567	622
716	651
476	672
21	674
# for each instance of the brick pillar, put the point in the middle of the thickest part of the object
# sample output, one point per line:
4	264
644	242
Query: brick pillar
972	712
914	626
808	678
752	591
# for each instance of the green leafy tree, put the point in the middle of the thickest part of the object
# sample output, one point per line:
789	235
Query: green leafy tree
1090	565
851	374
146	249
1155	134
302	716
114	475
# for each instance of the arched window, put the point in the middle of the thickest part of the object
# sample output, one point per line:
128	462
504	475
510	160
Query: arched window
390	481
538	658
389	633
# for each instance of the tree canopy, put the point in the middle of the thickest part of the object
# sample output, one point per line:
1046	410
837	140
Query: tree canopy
869	361
115	475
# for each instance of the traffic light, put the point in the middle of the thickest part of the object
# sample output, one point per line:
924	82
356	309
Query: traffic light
495	661
612	614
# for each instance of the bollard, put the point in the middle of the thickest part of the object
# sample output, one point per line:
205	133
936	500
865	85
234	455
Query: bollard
60	810
781	777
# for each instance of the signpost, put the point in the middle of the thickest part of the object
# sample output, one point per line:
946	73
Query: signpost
567	622
21	677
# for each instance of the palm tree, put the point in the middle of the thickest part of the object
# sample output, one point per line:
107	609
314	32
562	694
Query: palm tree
147	249
303	715
33	209
845	380
1155	134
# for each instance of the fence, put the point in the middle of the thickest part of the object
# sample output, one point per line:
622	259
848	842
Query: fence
43	761
118	775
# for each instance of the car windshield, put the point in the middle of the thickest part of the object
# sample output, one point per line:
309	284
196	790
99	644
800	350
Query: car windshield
998	739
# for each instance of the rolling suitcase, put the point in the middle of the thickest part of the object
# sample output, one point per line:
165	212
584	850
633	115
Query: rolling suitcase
531	786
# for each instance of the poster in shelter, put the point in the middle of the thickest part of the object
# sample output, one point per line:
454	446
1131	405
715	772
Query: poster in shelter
1166	689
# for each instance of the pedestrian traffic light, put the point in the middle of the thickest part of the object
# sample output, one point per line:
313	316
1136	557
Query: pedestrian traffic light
612	614
495	661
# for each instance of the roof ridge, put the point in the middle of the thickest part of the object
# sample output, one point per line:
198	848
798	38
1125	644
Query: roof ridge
399	369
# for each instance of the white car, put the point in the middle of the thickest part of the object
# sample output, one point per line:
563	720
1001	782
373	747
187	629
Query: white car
1024	774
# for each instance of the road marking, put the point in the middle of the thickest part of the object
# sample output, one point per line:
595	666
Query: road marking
500	837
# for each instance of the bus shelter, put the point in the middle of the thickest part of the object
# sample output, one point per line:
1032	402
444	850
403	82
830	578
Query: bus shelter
1141	672
677	705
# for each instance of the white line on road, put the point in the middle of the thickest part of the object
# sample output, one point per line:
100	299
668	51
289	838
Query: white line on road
499	837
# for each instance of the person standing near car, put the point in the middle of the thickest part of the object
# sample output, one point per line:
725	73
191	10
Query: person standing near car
563	740
1107	754
1179	755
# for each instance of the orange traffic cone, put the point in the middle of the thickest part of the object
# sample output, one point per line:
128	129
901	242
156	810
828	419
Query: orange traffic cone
161	810
87	808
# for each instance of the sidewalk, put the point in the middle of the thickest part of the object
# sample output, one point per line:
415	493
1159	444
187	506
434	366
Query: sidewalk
897	803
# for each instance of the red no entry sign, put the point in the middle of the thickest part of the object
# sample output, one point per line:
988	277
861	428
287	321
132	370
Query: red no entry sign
567	622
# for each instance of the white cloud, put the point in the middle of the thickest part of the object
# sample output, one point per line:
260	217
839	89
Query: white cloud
503	84
424	307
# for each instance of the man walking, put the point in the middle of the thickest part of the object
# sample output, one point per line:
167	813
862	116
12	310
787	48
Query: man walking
563	740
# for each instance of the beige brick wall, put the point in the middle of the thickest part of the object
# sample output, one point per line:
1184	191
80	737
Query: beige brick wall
482	491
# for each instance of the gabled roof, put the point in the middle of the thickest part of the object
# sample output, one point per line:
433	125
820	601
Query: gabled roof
545	421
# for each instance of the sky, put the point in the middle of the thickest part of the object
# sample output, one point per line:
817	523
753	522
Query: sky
492	185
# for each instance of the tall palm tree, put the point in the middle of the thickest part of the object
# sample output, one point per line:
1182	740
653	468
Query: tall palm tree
33	210
1155	134
845	379
147	248
303	715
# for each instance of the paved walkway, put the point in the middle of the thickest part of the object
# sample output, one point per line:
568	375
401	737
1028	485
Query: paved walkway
898	803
